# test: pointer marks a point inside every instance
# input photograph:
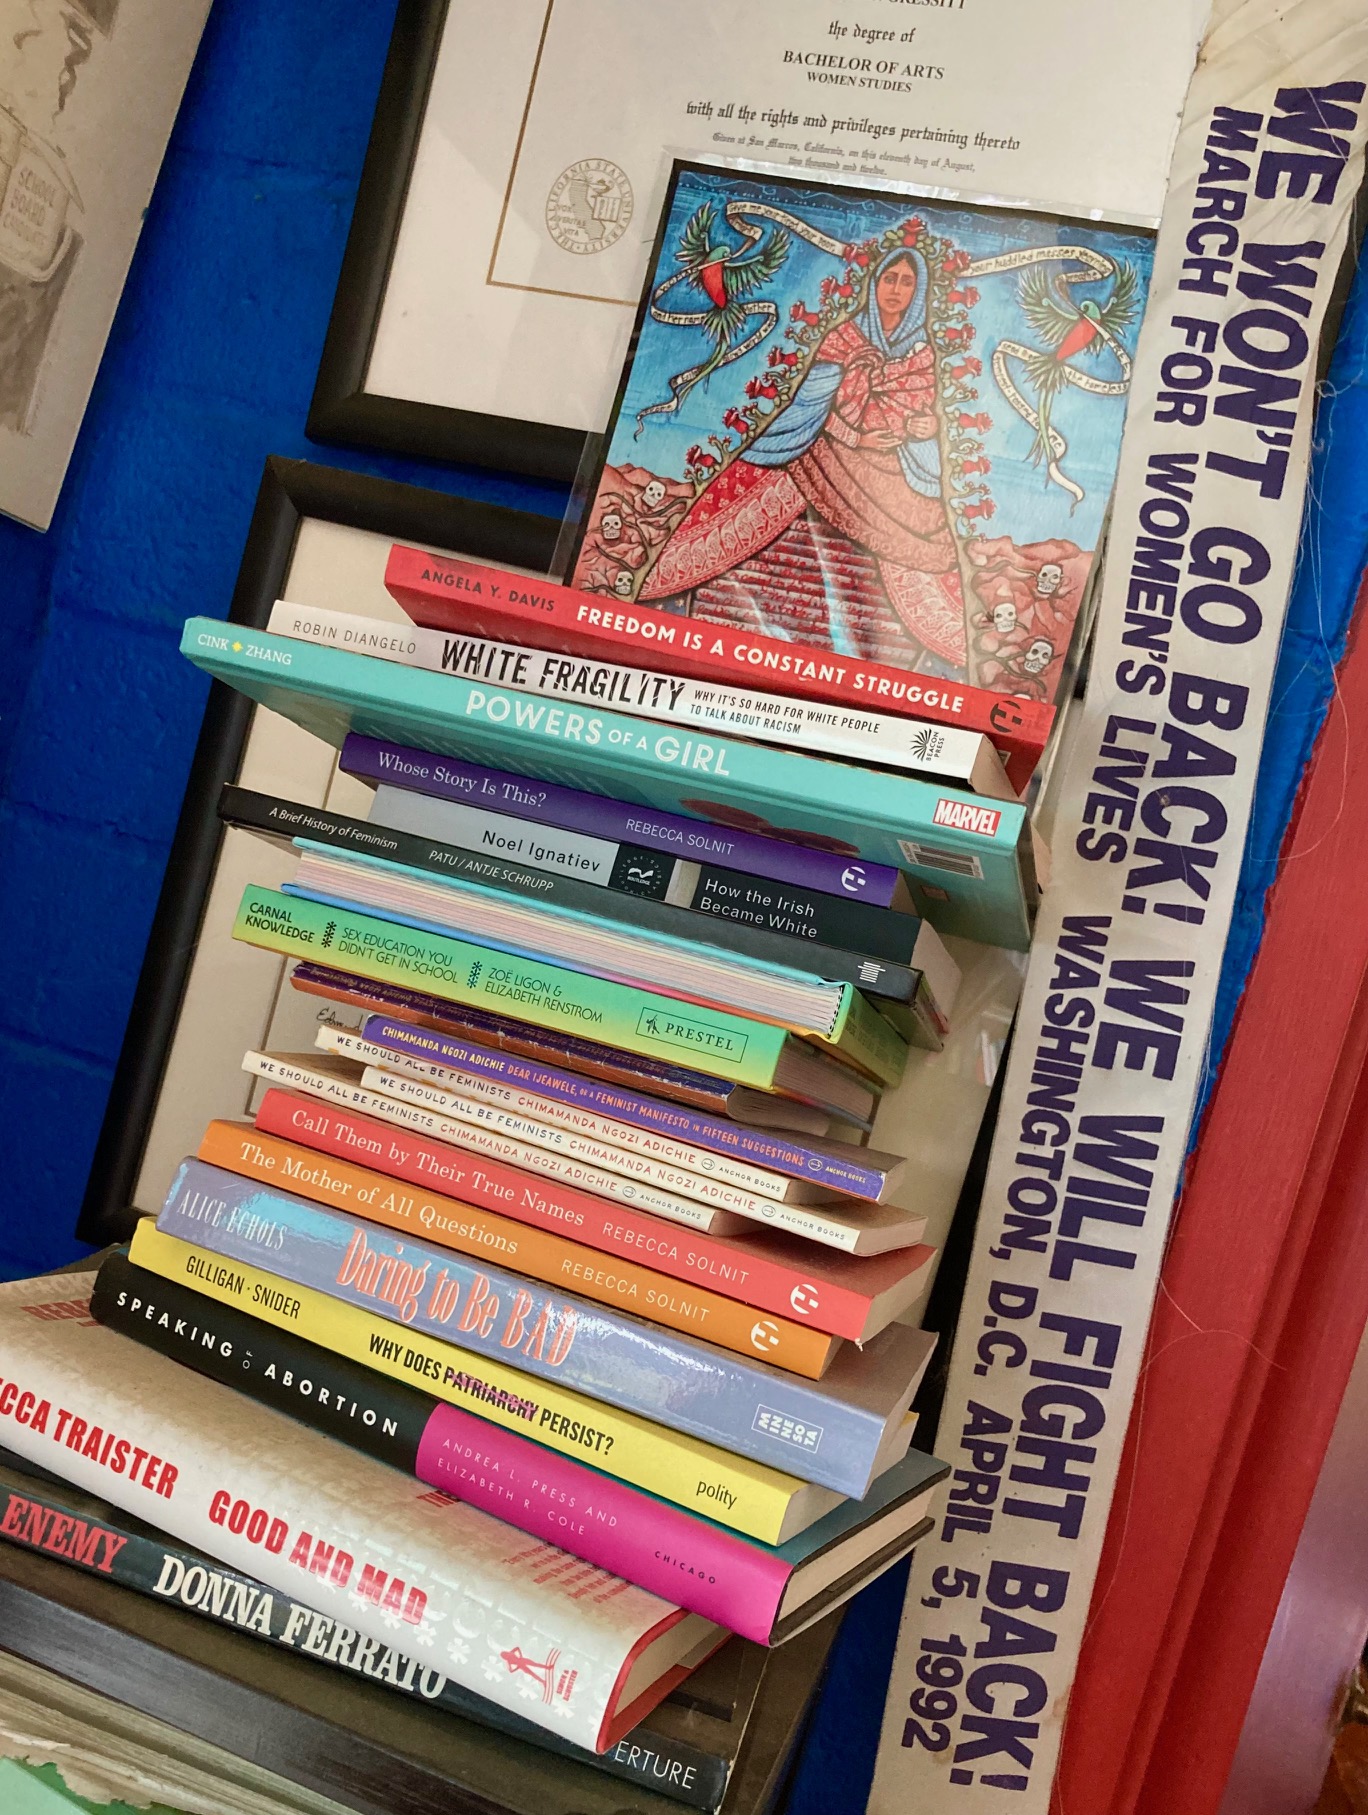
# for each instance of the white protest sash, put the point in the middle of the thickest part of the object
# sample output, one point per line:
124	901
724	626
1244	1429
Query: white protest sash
1119	995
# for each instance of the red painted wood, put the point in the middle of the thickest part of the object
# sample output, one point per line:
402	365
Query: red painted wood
1263	1297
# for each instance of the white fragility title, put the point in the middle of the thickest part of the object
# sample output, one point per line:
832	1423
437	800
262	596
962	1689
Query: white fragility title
947	752
1117	1009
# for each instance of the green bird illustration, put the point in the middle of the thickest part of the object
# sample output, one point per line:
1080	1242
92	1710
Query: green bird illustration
726	275
1069	329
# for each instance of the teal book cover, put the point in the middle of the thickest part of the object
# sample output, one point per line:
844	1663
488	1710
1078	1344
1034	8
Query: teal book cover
853	1027
724	1045
968	860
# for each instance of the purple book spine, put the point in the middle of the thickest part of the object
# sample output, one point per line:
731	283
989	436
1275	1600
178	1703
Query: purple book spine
759	1147
697	840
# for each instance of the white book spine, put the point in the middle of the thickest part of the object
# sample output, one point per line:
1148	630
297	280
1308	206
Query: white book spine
827	1225
475	1136
712	1177
469	1124
367	1547
377	1095
946	753
667	1183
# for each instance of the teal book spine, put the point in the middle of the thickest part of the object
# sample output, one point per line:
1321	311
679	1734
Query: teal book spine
968	860
721	1044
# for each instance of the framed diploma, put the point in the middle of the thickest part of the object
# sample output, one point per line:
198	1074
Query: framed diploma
521	155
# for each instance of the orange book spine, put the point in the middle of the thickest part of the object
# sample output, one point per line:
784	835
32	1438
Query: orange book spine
376	1198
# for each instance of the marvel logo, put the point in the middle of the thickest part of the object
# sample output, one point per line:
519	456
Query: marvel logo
964	816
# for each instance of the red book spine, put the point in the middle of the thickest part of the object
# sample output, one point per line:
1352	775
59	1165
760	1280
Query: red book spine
735	1267
466	597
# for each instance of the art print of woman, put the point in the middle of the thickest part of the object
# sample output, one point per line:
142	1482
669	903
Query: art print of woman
850	469
822	475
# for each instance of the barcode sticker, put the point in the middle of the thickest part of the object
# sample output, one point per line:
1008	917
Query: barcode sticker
930	857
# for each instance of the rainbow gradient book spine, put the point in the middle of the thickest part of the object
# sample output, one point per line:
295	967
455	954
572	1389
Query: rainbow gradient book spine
970	862
741	1405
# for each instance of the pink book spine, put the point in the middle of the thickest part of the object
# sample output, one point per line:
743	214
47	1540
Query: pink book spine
683	1559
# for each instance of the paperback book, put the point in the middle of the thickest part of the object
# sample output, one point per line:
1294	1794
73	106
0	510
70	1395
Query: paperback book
570	1649
771	1163
680	1084
468	598
850	1297
342	1081
787	909
839	1431
526	895
662	964
859	1229
971	864
727	1045
746	1496
949	754
804	861
627	1285
761	1592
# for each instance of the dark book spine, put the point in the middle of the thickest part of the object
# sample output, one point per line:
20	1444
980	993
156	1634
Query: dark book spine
640	873
332	1394
805	915
634	896
367	1411
637	906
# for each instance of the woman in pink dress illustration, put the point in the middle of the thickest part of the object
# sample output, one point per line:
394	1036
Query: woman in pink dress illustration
848	474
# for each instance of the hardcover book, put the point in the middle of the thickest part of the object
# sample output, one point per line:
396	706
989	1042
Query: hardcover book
682	1084
943	753
663	963
971	864
746	1496
568	1648
468	598
763	1593
839	1431
328	1724
41	1513
850	1297
544	1255
727	1045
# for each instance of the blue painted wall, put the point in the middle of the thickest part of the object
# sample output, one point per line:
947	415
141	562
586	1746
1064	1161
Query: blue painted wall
210	368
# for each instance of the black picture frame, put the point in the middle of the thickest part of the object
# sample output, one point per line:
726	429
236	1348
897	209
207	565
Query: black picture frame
290	492
342	412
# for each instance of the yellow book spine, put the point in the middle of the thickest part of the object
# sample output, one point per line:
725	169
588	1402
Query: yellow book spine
606	1279
733	1490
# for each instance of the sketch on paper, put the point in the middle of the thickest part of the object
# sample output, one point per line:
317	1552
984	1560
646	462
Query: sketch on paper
46	47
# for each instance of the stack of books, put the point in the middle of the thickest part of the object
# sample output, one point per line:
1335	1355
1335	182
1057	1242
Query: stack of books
549	1330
